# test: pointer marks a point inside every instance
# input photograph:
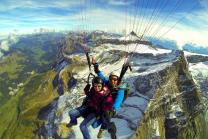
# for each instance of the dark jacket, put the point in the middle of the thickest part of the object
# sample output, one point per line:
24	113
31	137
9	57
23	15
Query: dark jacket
99	101
119	92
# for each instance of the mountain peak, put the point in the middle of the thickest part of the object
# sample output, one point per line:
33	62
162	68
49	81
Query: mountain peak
131	36
134	34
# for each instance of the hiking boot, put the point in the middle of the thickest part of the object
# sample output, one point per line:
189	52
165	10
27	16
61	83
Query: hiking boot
101	133
70	125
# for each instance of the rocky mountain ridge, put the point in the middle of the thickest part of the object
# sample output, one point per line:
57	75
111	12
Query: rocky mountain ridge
164	96
164	101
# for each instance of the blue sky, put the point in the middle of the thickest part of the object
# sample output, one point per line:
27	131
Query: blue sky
181	20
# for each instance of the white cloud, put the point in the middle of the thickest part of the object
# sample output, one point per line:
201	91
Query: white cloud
111	20
119	2
194	31
181	33
4	45
197	19
13	4
185	35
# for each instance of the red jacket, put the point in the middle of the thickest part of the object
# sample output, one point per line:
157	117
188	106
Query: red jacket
100	101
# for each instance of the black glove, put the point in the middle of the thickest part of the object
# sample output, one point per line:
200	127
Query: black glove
110	113
96	68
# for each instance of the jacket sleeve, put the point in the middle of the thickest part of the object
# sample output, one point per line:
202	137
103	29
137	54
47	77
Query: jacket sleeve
102	76
119	99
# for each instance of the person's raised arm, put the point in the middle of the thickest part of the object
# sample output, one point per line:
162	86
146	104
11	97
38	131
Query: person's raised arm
97	71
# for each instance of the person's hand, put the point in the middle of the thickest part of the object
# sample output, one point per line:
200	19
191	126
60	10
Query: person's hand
111	113
94	60
95	64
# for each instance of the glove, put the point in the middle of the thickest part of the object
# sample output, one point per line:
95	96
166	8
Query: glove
96	68
111	113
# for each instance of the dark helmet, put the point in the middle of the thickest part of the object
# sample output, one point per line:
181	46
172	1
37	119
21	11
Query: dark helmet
97	80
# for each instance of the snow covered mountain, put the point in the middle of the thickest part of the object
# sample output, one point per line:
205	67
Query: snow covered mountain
198	66
164	102
131	36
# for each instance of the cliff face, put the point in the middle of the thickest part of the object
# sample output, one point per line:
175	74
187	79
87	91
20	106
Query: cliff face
176	109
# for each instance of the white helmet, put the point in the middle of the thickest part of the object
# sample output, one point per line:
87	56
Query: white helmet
114	73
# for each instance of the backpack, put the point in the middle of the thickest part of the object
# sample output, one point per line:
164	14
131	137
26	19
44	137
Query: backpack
127	91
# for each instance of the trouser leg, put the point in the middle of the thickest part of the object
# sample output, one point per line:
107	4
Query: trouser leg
107	124
86	123
112	130
77	112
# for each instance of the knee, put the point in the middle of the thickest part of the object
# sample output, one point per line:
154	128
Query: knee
82	127
73	112
96	123
71	115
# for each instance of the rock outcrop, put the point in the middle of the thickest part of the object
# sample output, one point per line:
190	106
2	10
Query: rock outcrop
176	108
196	58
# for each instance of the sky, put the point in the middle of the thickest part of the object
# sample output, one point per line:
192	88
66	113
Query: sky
185	21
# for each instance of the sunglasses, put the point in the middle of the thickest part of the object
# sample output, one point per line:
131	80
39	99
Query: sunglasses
98	85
